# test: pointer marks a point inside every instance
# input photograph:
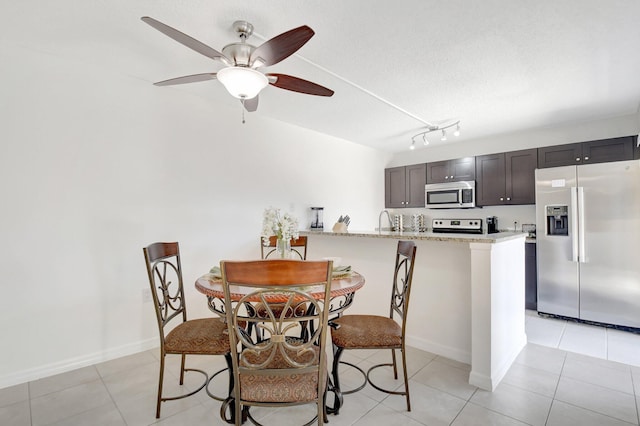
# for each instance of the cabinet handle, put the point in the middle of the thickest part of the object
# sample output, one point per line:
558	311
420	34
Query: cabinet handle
586	158
501	199
451	177
578	159
508	198
446	177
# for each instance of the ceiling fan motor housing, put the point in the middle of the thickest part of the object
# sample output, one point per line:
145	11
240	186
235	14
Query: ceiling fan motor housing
239	53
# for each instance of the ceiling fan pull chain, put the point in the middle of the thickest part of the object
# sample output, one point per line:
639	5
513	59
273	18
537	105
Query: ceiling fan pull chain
242	101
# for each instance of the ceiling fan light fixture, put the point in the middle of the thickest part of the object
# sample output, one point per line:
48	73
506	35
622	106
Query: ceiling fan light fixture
457	131
444	135
242	82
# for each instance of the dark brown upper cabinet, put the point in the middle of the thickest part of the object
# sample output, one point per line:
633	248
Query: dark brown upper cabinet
506	178
404	186
451	170
600	151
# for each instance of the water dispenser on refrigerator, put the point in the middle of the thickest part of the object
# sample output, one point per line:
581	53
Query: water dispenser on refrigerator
558	220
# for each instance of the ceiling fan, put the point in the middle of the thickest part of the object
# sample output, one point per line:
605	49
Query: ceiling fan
241	76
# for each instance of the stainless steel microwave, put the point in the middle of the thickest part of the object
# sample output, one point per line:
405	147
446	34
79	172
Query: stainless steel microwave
450	195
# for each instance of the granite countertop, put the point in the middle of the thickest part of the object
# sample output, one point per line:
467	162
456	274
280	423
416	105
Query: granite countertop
426	236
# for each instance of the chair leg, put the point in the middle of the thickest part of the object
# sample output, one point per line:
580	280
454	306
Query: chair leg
338	399
227	357
395	364
182	362
406	378
160	381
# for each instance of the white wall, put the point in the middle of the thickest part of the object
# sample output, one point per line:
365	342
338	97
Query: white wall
96	165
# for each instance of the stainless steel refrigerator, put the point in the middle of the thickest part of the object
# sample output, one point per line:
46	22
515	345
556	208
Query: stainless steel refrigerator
588	242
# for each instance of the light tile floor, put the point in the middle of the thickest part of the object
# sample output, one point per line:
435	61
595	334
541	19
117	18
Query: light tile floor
568	374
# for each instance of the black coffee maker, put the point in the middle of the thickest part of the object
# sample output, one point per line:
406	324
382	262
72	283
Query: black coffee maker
492	225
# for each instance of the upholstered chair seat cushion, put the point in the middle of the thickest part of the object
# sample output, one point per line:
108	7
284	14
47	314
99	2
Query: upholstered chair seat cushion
206	336
272	386
366	331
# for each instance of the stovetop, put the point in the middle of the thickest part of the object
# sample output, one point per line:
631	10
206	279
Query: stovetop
460	226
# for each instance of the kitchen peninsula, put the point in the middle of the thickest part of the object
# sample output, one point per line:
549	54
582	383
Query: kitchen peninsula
467	298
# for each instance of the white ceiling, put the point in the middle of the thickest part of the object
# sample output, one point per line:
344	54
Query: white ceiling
497	65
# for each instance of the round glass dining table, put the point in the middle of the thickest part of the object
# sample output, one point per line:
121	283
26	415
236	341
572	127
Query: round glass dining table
343	289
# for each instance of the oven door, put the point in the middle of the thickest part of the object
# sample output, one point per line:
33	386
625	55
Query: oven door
450	195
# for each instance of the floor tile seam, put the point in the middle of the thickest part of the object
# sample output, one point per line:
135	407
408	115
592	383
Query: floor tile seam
635	398
466	370
498	412
57	422
419	369
402	411
460	412
113	401
30	383
632	393
593	411
524	388
578	379
599	363
562	334
540	370
449	393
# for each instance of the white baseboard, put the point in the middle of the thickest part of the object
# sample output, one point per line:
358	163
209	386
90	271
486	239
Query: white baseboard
63	366
438	349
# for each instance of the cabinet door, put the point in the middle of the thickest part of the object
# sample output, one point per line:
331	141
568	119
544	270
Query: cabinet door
416	177
394	187
463	169
530	277
520	176
438	172
560	155
490	186
606	150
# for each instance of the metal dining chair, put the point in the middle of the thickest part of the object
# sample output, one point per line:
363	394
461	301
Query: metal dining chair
281	369
206	336
376	331
298	247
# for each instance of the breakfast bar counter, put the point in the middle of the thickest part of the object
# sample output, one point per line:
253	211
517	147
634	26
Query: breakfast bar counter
467	301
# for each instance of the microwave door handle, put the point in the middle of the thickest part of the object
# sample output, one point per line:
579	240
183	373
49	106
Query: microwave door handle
574	234
460	199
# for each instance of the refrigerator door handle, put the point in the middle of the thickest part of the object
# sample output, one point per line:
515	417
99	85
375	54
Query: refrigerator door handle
574	225
582	256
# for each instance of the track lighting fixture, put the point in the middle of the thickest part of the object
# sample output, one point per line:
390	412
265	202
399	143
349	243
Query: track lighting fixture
434	128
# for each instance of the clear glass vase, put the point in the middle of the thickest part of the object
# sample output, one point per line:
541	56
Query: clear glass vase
283	248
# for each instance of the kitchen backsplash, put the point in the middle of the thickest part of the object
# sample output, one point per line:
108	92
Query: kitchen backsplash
507	215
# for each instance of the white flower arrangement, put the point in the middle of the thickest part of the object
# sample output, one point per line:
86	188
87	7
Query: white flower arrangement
283	226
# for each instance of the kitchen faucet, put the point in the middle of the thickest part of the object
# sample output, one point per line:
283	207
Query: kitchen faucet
380	221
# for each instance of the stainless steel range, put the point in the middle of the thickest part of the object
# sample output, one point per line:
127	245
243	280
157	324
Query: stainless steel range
457	226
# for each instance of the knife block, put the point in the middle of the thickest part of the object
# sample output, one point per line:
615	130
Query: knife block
340	227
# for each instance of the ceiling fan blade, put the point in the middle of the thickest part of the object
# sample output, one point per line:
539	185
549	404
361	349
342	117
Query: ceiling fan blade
250	104
280	47
186	40
187	79
296	84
